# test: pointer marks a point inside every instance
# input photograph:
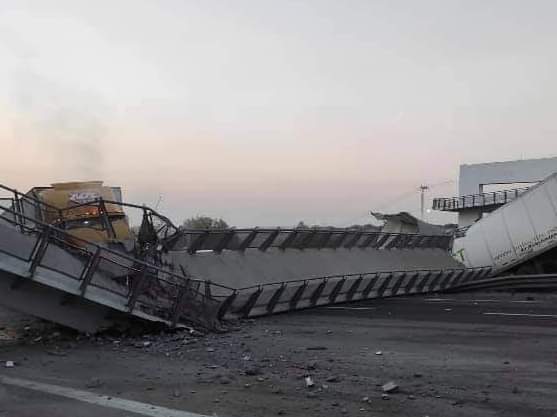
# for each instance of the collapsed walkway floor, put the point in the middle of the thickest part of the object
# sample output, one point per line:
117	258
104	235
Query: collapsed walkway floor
473	354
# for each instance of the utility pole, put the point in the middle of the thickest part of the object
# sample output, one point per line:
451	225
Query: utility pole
423	189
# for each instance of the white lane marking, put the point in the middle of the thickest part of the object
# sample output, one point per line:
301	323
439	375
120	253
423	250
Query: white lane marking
522	315
351	308
505	301
98	399
481	300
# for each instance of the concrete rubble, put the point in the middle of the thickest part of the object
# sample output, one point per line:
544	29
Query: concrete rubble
268	360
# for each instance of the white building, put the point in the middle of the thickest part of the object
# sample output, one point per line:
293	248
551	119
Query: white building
485	187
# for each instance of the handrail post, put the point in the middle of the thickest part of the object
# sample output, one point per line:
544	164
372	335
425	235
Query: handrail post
248	306
208	289
297	296
176	309
89	271
40	250
137	288
104	215
226	304
275	298
19	212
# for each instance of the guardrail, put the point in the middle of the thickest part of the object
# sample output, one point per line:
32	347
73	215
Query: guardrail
263	239
307	293
477	200
144	286
530	281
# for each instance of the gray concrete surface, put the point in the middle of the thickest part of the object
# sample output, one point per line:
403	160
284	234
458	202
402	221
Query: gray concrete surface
237	269
53	292
490	354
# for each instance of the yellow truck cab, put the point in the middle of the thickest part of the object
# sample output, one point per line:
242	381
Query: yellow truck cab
83	210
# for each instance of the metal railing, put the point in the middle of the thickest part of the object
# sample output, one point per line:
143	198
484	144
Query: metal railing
515	282
24	204
170	296
144	286
477	200
307	293
175	238
263	239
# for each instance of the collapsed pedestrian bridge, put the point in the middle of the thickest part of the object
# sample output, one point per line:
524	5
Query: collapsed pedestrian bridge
178	277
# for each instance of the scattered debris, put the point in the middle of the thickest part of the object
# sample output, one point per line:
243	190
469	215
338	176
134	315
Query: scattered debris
252	370
277	390
56	353
390	387
94	383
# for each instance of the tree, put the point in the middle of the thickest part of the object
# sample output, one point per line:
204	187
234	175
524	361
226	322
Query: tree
204	222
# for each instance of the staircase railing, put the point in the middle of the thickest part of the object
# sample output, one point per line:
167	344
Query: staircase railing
153	290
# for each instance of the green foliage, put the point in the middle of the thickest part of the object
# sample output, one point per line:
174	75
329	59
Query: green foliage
204	222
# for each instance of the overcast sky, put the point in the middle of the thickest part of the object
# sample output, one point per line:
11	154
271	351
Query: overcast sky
271	112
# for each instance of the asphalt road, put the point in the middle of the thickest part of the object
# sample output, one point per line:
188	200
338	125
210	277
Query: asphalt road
491	354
